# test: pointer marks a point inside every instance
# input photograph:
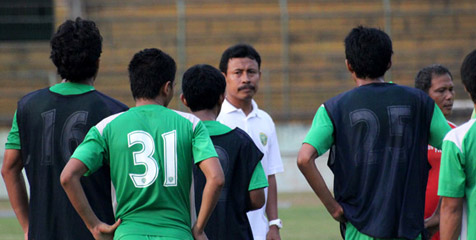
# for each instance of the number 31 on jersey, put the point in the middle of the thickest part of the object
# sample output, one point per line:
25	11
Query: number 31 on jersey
145	158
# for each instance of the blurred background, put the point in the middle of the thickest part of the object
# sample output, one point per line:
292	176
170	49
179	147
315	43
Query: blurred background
300	42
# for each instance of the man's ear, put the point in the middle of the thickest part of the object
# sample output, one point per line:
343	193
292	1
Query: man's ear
349	67
389	65
221	99
167	88
184	101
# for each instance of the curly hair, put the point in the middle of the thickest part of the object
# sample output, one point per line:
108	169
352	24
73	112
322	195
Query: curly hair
75	49
202	86
368	51
149	70
424	76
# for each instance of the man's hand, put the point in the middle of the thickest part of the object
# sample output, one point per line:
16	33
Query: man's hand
338	213
273	233
432	225
197	234
104	231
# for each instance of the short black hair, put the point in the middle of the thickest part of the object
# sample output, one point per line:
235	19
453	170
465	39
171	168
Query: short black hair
240	50
468	74
368	51
149	70
75	49
424	76
202	86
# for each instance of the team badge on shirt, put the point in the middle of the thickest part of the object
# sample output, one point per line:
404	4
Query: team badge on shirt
263	138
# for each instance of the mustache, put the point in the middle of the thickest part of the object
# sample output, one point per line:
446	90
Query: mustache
247	86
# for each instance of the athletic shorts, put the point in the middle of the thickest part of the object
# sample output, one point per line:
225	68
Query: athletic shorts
351	233
145	237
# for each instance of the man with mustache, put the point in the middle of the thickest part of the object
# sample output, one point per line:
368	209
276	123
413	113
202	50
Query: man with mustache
241	66
437	81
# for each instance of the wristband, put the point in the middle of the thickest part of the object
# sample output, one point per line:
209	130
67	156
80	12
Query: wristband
276	222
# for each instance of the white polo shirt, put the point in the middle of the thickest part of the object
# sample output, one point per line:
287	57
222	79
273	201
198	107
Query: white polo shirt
260	126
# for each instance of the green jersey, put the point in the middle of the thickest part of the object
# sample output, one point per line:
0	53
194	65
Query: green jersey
151	151
458	171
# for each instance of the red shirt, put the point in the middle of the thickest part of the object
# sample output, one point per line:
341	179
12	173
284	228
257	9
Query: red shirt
431	199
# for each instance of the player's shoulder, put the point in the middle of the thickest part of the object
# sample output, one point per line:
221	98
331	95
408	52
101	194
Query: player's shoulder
241	135
106	121
34	94
243	139
110	101
264	115
187	117
462	133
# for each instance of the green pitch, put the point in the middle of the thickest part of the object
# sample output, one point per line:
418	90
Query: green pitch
303	215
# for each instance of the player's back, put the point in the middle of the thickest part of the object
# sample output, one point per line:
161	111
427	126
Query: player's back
379	157
239	157
150	153
51	126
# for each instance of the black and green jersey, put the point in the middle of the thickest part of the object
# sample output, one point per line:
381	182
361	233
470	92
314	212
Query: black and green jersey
378	134
240	159
49	124
151	151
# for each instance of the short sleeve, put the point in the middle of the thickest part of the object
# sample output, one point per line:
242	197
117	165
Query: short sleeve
452	177
91	151
320	136
275	163
438	129
258	179
13	139
202	144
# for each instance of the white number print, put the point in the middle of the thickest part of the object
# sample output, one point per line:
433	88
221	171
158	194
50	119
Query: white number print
170	154
143	157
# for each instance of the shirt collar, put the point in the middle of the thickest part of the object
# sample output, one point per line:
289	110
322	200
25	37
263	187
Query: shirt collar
71	88
227	107
216	128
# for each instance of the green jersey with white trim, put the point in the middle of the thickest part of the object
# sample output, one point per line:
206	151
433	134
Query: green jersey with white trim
151	151
458	171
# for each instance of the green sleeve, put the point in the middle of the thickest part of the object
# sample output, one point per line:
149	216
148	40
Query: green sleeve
13	139
320	136
452	179
438	129
202	144
91	151
258	179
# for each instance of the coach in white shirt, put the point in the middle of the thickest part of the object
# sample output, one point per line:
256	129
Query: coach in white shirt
241	66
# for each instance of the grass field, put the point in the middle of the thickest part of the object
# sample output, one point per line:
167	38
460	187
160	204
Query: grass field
303	215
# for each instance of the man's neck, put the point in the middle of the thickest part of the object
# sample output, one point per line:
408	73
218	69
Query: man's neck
145	101
245	105
88	81
365	81
206	115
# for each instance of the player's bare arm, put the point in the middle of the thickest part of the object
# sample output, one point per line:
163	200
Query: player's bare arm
432	224
16	188
213	172
450	221
272	208
70	180
257	198
306	163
